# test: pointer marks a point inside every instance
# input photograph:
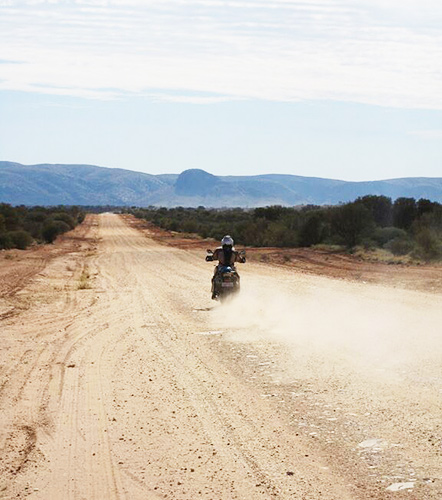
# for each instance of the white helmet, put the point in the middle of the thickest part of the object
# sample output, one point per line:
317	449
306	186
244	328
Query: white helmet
227	240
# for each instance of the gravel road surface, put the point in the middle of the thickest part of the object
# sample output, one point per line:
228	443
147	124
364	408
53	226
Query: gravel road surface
121	379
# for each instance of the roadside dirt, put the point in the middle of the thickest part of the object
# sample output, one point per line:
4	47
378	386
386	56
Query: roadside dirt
121	379
19	267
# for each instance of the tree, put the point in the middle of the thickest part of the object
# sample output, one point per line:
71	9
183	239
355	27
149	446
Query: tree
350	222
10	215
425	206
272	213
404	212
380	208
312	230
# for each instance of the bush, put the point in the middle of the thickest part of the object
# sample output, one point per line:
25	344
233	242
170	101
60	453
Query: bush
368	244
53	229
404	212
312	230
383	235
380	208
65	217
27	223
429	245
20	239
368	221
5	241
400	246
277	235
351	223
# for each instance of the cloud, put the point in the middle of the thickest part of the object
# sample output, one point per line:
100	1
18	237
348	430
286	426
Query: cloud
427	134
385	53
8	61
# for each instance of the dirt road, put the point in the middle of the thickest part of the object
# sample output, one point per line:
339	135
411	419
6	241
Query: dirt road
120	379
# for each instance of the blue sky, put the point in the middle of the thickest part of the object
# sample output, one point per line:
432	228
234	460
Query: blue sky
348	89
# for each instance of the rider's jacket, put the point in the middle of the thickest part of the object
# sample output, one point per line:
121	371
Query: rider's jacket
227	260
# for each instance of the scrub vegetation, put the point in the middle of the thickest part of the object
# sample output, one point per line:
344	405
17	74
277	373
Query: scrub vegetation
403	227
21	226
84	279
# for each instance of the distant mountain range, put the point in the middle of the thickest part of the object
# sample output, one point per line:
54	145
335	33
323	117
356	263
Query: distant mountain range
90	185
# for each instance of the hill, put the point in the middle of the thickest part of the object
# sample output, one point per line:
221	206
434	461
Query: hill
91	185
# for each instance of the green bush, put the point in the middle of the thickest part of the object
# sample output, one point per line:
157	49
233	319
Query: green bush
371	221
383	235
29	222
53	229
351	223
380	208
429	245
20	239
312	230
5	241
65	217
368	244
404	212
401	245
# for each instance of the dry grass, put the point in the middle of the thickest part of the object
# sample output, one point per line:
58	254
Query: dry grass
84	282
383	256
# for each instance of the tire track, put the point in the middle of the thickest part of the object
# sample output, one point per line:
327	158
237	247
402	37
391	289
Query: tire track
238	440
122	399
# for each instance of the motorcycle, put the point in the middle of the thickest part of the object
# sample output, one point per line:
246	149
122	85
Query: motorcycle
226	282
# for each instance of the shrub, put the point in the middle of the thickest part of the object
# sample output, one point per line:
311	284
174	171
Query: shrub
368	244
429	245
65	217
312	230
383	235
5	241
20	239
277	235
53	229
368	221
10	216
404	212
401	245
351	222
380	208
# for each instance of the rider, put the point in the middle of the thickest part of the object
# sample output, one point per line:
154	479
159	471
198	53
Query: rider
226	255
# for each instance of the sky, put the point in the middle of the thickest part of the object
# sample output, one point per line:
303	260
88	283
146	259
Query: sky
343	89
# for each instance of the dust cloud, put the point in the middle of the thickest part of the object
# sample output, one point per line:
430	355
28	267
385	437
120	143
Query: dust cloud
363	325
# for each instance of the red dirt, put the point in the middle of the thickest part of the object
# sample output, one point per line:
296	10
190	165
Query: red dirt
18	267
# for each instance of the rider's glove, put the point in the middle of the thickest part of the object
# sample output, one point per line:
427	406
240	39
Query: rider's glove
209	258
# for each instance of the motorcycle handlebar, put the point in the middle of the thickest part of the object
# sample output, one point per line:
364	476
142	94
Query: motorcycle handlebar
242	255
